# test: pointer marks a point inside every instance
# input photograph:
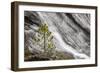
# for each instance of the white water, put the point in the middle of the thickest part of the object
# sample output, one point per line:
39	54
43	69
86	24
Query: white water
69	36
68	48
58	39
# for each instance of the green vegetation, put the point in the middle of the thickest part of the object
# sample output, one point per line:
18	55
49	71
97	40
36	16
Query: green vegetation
44	39
49	47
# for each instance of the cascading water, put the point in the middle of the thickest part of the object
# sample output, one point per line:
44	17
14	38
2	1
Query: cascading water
71	31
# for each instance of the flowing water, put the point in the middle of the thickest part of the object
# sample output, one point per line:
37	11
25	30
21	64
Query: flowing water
71	31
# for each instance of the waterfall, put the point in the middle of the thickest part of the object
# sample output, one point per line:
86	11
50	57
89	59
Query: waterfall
71	31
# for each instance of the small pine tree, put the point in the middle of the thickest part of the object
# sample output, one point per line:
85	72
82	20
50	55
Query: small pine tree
49	47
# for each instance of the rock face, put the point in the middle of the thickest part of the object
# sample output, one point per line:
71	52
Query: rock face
70	31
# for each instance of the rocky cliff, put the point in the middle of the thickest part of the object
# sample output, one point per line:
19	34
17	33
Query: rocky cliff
70	31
